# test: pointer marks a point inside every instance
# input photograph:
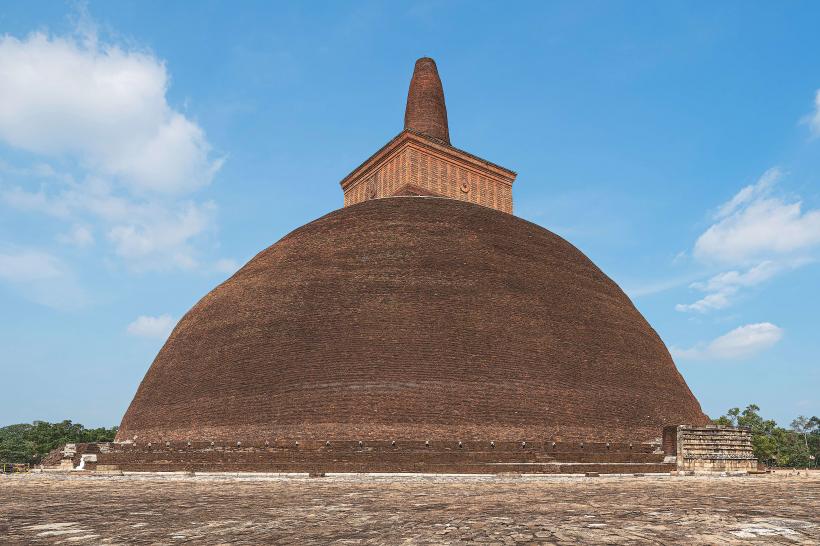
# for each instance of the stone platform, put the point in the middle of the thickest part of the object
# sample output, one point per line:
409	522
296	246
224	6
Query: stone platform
779	508
684	448
368	457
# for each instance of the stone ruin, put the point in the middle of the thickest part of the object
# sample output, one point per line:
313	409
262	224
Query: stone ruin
711	448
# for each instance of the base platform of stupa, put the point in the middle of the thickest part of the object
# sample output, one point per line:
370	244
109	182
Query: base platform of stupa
683	448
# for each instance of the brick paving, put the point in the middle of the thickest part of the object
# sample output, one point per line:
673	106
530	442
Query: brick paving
152	509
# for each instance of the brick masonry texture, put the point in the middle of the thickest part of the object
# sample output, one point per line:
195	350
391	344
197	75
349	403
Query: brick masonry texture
283	455
413	318
710	448
426	111
412	164
421	160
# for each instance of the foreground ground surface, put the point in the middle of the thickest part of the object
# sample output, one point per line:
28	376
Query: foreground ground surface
779	508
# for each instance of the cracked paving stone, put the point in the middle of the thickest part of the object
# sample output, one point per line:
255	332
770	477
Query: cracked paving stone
777	508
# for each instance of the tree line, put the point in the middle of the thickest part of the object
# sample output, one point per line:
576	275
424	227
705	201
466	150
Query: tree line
797	446
29	443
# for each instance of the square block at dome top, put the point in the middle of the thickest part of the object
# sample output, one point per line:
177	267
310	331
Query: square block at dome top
415	164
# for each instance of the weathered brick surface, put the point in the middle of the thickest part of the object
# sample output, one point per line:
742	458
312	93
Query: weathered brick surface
426	111
412	164
421	161
710	448
417	319
374	456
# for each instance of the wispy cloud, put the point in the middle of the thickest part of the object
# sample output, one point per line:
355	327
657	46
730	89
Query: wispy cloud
41	277
152	327
721	288
228	266
749	193
637	290
759	233
79	236
146	233
813	119
742	342
161	237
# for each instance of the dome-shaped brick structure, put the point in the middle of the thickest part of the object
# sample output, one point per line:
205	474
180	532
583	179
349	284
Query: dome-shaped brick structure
413	318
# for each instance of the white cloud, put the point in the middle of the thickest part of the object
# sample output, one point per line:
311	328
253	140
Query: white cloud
709	302
38	201
101	111
721	288
41	277
758	231
228	266
814	119
766	227
730	279
152	327
27	265
79	236
147	234
750	192
742	342
754	225
103	105
162	237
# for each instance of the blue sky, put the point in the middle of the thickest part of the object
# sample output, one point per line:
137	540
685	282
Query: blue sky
148	149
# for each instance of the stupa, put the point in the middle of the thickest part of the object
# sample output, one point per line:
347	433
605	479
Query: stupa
423	315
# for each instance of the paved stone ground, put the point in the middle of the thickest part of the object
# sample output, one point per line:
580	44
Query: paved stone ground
781	508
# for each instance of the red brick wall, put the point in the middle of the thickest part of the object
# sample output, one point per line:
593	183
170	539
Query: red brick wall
434	175
454	174
339	456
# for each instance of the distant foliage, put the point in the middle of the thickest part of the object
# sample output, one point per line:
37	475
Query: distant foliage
29	443
797	446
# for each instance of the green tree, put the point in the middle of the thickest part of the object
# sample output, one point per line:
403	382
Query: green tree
724	420
29	443
814	440
802	425
804	452
797	446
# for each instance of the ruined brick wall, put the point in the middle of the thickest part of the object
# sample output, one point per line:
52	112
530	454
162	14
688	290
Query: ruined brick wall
710	448
282	455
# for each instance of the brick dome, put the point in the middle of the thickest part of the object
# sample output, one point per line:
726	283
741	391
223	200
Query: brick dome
413	318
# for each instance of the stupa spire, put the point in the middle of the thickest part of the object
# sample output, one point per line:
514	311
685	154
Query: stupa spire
420	161
426	112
